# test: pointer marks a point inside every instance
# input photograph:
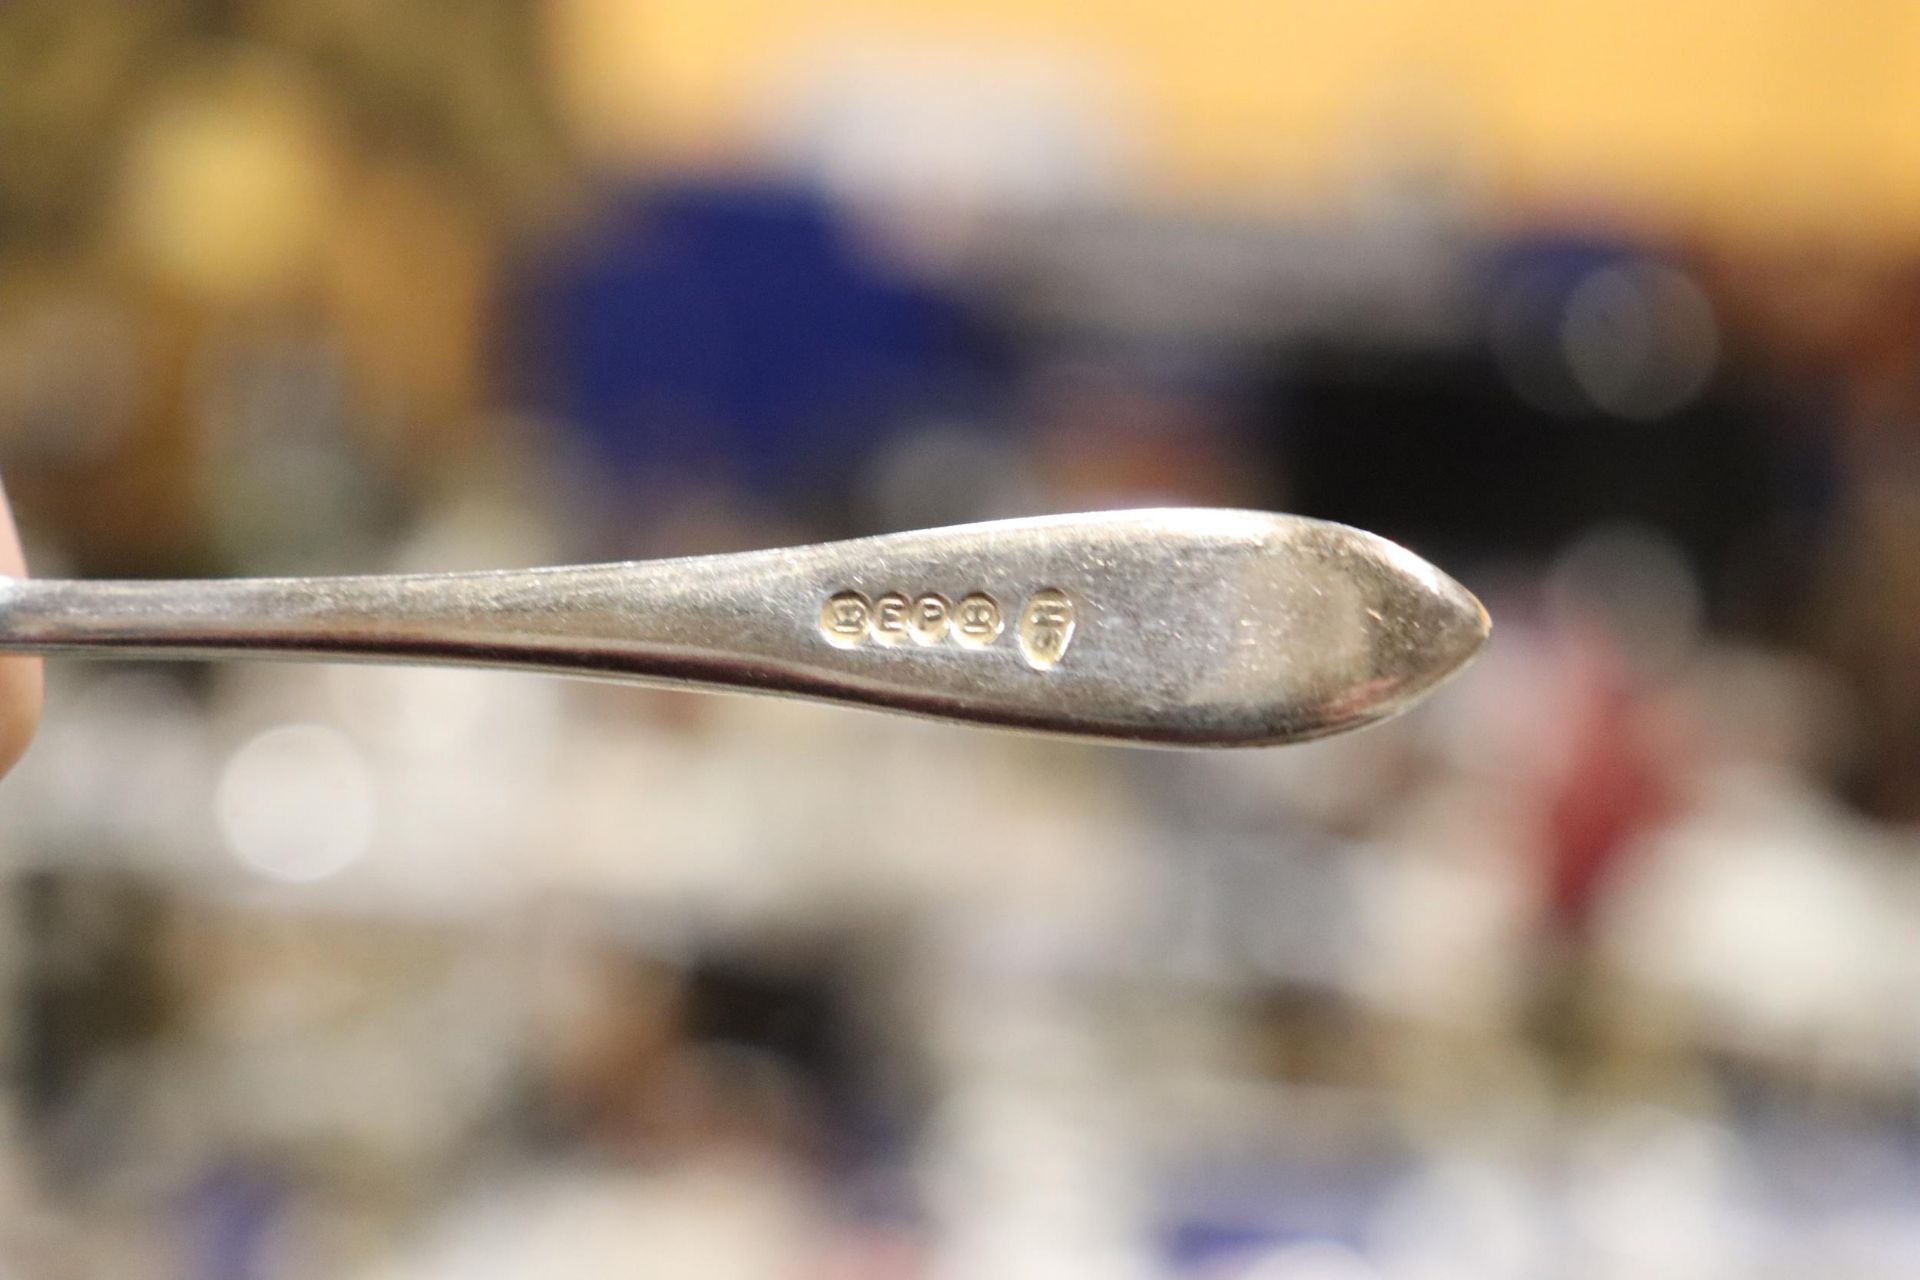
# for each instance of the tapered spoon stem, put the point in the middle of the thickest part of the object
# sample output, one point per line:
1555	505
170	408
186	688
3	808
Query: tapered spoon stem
1190	626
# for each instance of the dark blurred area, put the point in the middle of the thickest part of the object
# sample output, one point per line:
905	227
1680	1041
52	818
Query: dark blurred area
1605	963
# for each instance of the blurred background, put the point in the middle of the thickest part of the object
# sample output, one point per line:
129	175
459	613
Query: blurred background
1606	963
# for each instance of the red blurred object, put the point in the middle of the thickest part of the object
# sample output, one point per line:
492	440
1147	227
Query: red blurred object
1614	789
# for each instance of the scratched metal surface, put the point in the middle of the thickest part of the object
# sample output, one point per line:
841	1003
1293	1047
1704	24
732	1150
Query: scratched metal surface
1179	626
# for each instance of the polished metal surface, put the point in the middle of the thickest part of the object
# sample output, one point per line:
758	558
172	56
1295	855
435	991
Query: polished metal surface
1182	626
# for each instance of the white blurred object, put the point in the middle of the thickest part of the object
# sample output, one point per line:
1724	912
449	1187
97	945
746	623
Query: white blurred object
1032	1163
1640	340
296	803
1637	341
1304	1260
1658	1196
1461	1217
932	137
1446	912
1773	913
715	1220
1636	585
136	737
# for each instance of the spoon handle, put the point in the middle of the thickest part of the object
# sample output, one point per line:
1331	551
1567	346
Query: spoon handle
1184	626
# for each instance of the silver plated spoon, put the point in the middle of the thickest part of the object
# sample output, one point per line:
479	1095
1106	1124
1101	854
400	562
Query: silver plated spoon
1179	626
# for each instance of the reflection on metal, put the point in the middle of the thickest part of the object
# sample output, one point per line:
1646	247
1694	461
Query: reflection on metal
1180	626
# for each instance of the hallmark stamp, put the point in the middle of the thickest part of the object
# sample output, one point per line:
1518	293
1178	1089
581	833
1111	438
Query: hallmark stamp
977	622
844	620
1046	628
932	615
891	616
848	620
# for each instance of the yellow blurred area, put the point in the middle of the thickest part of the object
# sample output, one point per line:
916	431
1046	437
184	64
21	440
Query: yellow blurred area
231	181
1747	117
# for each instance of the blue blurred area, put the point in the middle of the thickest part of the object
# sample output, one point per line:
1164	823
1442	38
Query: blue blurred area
736	334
